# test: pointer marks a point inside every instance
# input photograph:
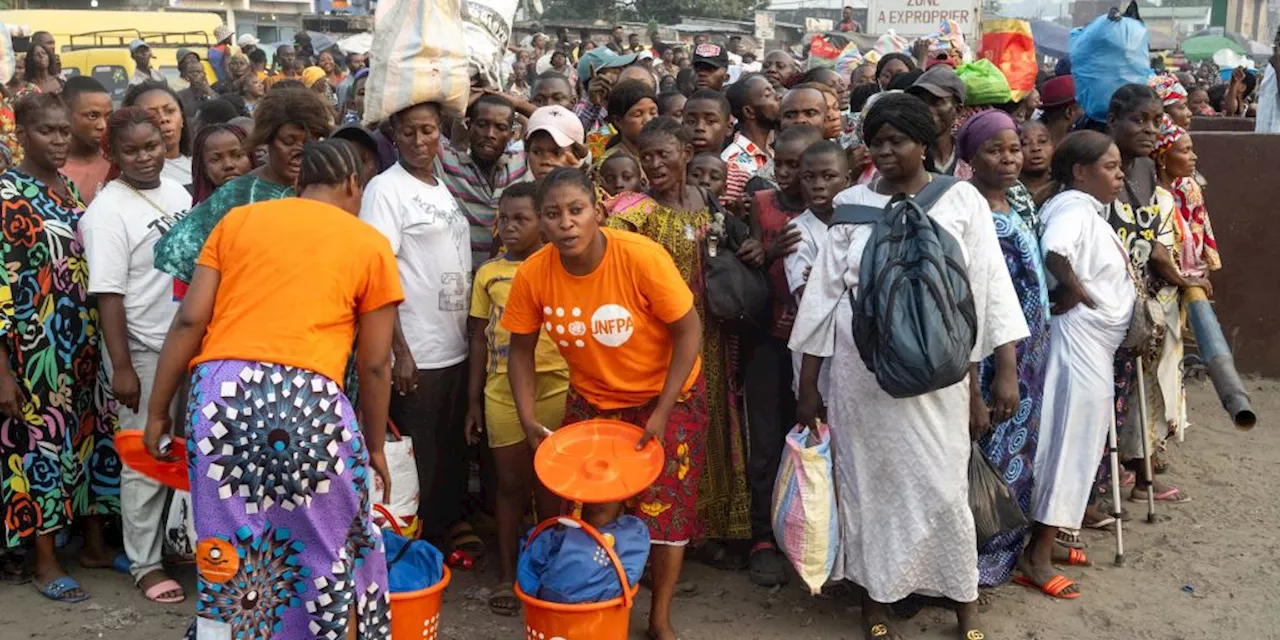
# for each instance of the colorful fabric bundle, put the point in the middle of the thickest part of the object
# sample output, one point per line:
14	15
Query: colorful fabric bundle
1009	44
806	522
849	59
891	42
566	565
419	55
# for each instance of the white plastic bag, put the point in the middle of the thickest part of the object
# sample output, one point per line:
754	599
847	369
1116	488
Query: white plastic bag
179	526
404	484
487	27
419	55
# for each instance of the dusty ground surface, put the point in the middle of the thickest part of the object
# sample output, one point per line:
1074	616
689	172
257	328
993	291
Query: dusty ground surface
1207	569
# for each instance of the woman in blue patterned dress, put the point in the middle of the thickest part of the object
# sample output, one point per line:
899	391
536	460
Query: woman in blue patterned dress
989	142
57	457
280	469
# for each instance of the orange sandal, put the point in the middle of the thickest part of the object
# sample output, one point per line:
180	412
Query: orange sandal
1077	558
1053	588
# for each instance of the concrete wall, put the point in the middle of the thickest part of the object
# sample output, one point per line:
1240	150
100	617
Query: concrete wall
1243	199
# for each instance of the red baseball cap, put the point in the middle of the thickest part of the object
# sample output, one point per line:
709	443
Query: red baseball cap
1059	91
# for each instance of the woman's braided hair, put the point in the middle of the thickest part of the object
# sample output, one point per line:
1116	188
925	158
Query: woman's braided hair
330	162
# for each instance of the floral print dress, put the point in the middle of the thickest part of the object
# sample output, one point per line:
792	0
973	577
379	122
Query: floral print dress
59	460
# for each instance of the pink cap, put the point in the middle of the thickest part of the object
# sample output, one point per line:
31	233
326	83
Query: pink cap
563	125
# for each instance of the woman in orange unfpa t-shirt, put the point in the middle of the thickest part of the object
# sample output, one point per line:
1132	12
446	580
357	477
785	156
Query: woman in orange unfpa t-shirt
624	321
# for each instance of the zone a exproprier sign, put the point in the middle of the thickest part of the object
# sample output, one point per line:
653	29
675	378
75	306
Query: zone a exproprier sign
915	18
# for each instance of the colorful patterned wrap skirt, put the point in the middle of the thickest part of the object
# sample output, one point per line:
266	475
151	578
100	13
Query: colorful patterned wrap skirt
280	482
669	506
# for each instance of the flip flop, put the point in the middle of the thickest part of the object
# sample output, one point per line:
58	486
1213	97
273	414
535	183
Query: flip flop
502	595
465	539
1172	494
1053	588
156	591
1105	524
59	590
1070	538
1076	558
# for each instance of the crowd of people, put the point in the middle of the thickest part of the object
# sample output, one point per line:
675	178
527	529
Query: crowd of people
249	264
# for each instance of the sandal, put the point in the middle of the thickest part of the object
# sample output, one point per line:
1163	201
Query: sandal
766	565
465	539
1053	588
61	590
156	592
503	602
1076	558
1105	524
1070	538
1172	494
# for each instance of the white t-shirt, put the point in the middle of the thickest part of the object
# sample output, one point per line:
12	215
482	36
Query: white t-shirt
120	230
178	170
813	238
432	242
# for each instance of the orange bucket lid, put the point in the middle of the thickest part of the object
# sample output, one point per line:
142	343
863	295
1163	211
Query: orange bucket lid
134	454
596	461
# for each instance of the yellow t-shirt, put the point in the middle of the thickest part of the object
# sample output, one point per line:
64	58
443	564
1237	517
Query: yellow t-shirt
492	285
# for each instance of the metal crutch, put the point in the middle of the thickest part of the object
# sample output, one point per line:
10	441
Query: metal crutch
1146	453
1115	487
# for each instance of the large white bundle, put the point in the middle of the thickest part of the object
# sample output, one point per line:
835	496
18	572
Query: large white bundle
419	55
487	26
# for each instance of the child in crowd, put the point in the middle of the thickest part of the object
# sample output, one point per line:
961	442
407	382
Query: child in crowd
707	170
620	173
770	392
554	138
824	172
491	409
706	115
671	104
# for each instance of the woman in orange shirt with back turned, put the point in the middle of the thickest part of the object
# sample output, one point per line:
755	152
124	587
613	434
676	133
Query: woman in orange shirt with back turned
616	306
280	470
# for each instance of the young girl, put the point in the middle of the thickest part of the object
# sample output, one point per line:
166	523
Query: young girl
136	304
219	156
553	138
160	101
491	408
624	321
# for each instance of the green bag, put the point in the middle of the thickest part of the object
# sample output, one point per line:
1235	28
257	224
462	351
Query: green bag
984	83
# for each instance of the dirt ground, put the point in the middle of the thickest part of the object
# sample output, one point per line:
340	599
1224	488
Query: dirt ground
1207	569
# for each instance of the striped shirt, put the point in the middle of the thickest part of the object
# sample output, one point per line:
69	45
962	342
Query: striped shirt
470	186
743	160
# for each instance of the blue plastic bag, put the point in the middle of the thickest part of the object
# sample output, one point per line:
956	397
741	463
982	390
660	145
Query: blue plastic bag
565	564
412	565
1110	52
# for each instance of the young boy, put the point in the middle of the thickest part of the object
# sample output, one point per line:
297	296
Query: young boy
491	408
706	115
707	170
90	105
824	172
554	138
620	172
770	404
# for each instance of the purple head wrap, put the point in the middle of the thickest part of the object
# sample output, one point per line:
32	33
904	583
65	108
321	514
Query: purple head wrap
979	128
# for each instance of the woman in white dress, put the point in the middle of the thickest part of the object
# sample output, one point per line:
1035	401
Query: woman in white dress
1092	294
902	464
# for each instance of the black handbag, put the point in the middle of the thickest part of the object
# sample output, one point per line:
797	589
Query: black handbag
735	293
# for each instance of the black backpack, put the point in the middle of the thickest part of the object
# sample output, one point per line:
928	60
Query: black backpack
913	318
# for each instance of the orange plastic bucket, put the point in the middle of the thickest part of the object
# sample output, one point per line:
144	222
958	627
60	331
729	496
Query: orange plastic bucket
415	615
608	620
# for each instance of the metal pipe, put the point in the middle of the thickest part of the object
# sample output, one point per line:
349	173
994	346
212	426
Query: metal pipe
1217	358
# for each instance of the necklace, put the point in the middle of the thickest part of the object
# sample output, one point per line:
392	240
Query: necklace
144	197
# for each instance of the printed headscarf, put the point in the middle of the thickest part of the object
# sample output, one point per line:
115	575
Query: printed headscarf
1170	90
1170	133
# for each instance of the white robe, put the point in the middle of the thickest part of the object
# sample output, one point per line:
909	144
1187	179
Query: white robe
1079	385
902	464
